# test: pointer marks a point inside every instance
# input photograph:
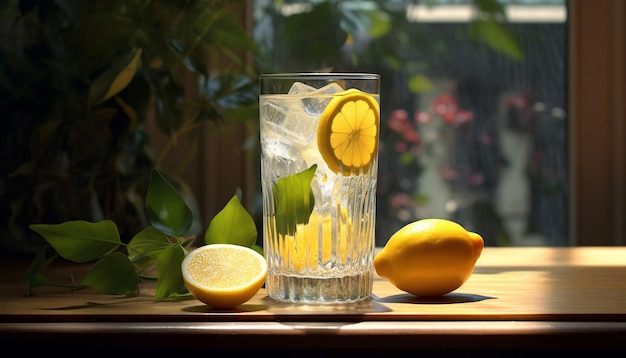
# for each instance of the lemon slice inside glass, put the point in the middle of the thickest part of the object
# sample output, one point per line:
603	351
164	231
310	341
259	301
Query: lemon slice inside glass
347	133
302	251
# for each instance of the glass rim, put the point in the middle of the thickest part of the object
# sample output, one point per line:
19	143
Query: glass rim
321	75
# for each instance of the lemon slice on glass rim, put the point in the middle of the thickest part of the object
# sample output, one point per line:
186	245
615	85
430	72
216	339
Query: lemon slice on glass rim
347	133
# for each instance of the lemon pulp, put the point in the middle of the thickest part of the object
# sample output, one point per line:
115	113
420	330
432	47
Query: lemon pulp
347	134
224	275
303	252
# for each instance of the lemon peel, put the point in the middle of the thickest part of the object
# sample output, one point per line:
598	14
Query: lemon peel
347	133
224	275
429	257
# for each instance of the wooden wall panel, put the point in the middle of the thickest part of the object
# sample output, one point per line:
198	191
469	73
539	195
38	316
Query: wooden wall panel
597	121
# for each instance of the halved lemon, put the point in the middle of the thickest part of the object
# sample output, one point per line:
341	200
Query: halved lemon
347	133
224	275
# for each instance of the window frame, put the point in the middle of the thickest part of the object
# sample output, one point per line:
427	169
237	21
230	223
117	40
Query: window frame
597	130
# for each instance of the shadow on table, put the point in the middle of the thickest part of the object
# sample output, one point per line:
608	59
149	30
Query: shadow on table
445	299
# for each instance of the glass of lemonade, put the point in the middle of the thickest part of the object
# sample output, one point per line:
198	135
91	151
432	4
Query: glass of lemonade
319	137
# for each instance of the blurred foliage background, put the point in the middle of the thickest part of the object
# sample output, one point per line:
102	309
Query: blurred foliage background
79	82
443	89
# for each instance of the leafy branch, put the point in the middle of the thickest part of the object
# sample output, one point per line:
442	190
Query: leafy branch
86	87
153	254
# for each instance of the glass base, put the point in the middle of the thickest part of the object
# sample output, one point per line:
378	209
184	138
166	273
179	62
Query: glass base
319	290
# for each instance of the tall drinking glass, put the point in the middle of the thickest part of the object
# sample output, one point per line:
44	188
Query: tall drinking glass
319	161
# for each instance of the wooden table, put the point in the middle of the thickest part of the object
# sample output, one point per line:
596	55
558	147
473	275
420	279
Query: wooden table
518	298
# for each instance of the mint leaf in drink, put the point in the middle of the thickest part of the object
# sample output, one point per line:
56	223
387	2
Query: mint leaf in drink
293	200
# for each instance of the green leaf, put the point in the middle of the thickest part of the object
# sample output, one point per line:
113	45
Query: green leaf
115	78
381	23
125	76
37	280
232	91
169	273
258	249
361	17
419	84
192	61
489	6
113	274
232	225
303	49
146	245
497	37
81	241
220	29
34	276
166	209
167	94
293	200
39	263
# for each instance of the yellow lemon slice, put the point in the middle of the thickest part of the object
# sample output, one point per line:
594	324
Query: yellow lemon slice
302	251
347	133
224	275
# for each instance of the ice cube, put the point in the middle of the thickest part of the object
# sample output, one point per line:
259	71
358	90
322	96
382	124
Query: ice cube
330	88
275	148
289	120
311	154
316	105
300	88
299	126
281	158
326	190
273	113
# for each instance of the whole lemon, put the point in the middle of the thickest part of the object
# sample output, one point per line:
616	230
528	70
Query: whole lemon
429	257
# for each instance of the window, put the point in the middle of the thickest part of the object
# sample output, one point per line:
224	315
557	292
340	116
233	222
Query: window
474	123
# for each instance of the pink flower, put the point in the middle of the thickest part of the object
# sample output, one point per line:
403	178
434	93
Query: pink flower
476	179
448	174
448	109
519	101
410	135
400	200
399	120
421	117
445	106
464	116
401	147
